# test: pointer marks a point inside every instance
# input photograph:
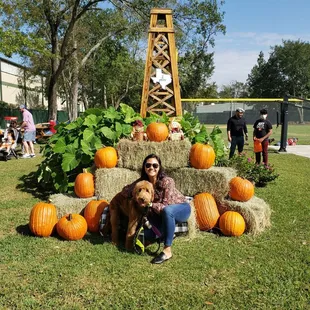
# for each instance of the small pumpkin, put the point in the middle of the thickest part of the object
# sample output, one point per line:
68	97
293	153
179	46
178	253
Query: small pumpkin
84	185
207	213
202	156
106	157
92	214
43	218
232	223
241	189
72	227
157	132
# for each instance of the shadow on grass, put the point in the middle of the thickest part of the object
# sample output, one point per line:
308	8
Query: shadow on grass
29	184
24	230
97	239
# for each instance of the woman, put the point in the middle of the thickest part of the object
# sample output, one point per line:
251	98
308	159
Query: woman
169	205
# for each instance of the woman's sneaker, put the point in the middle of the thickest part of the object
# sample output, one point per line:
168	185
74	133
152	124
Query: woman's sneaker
26	156
32	155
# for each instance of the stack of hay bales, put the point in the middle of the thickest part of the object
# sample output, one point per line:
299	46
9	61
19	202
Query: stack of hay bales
190	181
175	161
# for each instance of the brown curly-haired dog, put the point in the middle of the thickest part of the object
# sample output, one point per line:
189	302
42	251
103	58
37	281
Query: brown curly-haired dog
134	208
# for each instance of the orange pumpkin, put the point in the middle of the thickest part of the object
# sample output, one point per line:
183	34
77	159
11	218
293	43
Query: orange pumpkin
43	218
84	185
157	132
207	213
72	227
106	157
232	223
241	189
202	156
92	214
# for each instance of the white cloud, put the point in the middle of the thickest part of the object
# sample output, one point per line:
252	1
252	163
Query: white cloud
233	65
237	53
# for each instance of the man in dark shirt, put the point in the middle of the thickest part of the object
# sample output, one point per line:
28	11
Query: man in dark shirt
262	131
236	129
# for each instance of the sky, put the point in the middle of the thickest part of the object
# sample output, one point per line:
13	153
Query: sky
253	26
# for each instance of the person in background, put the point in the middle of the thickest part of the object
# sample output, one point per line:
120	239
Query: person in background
169	205
262	131
9	138
51	130
29	132
236	130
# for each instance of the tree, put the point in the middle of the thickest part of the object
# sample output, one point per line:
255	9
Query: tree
287	71
234	90
57	22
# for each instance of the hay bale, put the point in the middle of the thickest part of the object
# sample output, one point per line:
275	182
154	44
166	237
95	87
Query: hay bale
69	204
214	180
256	213
173	154
192	223
110	181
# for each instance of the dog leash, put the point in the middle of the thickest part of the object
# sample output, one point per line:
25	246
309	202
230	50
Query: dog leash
139	238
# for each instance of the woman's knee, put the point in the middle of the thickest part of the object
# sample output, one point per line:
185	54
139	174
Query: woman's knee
178	211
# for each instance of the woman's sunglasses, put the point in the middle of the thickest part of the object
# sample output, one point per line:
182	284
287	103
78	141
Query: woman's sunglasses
148	165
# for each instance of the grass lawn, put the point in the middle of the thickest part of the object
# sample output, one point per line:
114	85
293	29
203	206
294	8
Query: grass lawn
269	271
302	132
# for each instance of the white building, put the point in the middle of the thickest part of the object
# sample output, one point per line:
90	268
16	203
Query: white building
16	88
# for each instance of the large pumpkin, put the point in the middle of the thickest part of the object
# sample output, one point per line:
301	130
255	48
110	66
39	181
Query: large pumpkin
232	223
202	156
72	227
43	218
106	157
92	214
241	189
157	132
84	185
207	213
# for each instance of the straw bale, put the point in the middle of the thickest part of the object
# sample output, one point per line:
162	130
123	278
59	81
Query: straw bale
256	213
173	154
214	180
110	181
193	228
69	204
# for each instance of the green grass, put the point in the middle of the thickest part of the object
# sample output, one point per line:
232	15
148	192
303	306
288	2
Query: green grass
302	132
269	271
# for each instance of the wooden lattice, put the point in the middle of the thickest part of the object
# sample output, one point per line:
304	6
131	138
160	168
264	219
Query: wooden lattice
158	94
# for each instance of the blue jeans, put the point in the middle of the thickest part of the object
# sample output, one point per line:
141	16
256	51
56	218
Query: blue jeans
165	221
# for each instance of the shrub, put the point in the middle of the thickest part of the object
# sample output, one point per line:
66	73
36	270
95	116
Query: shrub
248	169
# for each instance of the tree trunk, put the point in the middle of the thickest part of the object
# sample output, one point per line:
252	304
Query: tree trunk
105	100
301	114
52	99
75	83
53	86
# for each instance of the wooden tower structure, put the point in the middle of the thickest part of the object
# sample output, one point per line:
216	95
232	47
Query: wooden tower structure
161	87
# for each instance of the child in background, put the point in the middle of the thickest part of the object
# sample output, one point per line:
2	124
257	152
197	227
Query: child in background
8	140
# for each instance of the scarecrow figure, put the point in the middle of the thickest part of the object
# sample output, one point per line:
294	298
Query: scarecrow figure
138	133
175	131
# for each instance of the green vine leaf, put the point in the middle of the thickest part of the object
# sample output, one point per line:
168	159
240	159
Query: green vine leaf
60	146
88	135
90	120
86	148
69	161
108	133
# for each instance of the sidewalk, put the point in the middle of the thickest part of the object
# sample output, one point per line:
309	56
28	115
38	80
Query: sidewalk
301	150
